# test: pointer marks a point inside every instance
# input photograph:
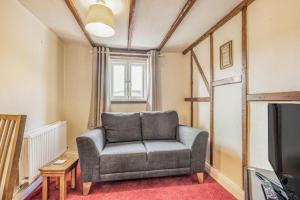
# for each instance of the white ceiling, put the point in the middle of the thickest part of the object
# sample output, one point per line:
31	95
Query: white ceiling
56	15
203	15
152	20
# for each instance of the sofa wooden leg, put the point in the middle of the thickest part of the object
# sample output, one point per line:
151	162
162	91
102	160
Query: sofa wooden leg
86	186
200	177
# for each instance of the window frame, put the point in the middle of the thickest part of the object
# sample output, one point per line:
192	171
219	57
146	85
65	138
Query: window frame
128	63
112	81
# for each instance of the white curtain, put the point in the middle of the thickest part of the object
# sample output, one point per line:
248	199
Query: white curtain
100	98
153	82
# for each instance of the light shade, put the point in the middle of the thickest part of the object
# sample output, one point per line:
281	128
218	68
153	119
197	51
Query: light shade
100	21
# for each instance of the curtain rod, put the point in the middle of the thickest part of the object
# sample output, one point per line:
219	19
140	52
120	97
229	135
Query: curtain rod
129	54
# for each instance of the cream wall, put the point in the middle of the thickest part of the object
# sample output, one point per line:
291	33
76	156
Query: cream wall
274	43
77	88
174	84
31	67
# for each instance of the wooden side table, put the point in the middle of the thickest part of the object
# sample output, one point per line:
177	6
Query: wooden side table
60	171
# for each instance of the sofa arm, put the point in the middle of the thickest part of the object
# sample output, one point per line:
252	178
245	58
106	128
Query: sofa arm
89	145
196	140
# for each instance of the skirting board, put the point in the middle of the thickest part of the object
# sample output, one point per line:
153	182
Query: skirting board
232	187
27	190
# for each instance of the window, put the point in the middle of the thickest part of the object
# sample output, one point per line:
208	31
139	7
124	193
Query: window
128	80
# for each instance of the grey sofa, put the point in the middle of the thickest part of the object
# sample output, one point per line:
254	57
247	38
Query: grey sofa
140	145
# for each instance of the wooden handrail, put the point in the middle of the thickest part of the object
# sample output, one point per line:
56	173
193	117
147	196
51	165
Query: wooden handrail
11	138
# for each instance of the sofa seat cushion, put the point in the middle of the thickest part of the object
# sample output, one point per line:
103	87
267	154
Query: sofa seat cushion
122	127
167	154
123	157
159	125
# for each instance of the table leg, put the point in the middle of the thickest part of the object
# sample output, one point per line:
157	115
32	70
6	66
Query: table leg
73	178
45	188
57	182
63	187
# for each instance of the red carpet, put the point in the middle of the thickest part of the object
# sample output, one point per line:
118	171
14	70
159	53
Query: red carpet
168	188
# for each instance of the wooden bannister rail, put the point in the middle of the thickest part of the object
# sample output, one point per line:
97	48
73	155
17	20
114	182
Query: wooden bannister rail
11	138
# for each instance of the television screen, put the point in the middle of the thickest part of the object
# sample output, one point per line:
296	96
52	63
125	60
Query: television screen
284	144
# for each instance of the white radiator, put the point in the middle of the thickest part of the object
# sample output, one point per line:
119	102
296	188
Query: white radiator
41	146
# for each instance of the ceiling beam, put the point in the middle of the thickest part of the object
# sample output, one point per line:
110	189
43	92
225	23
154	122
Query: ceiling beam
188	5
131	22
220	23
76	15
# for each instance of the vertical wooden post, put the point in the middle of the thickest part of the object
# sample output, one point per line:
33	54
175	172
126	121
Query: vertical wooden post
62	187
73	178
45	188
192	103
244	90
211	98
57	182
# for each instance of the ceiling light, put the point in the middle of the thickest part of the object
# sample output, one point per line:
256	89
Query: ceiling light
100	20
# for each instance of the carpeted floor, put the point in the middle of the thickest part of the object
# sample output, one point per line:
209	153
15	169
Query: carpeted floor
167	188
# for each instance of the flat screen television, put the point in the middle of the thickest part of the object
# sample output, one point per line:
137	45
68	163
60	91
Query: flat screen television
284	145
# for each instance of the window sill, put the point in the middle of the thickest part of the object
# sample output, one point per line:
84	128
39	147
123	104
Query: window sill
128	102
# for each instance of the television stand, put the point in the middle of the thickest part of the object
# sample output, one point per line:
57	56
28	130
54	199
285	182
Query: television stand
253	180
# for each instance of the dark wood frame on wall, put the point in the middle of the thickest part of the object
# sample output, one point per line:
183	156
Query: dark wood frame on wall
242	7
211	115
245	110
246	97
230	64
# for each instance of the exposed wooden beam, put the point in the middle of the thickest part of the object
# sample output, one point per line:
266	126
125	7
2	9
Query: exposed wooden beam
131	22
276	96
211	91
227	81
76	15
220	23
200	70
198	99
191	83
188	5
245	109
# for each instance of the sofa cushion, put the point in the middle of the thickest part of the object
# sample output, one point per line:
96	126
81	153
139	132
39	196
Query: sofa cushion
167	154
159	125
123	157
122	127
